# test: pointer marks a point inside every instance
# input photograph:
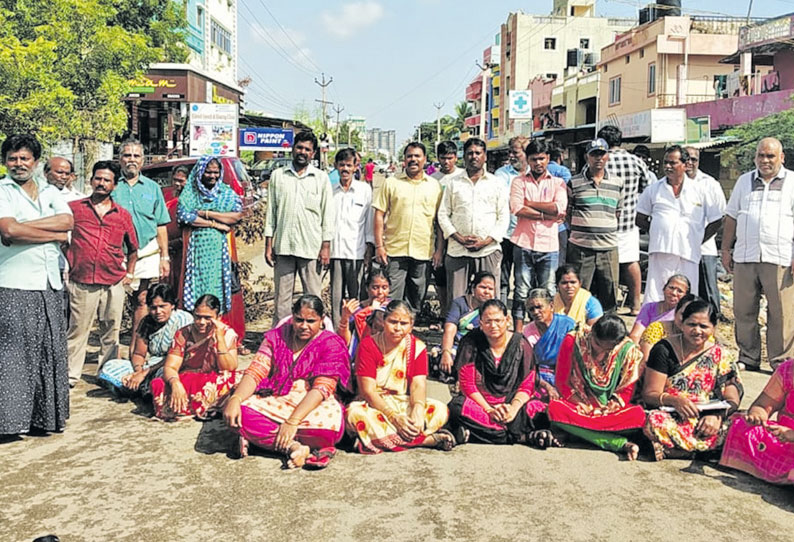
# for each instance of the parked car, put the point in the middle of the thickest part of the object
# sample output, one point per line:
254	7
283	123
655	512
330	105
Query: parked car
262	170
236	176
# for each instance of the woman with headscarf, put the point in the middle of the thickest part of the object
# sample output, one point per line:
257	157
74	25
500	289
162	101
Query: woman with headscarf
210	208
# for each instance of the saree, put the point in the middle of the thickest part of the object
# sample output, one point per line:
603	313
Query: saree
578	310
284	378
547	348
581	380
756	451
393	373
498	381
159	341
204	384
701	380
360	327
208	267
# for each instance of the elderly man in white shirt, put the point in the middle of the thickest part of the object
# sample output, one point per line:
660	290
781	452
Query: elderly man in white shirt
353	243
681	217
473	216
709	256
759	230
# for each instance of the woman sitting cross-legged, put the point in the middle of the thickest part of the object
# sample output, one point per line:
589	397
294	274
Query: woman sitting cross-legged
357	318
464	316
685	372
393	412
758	445
497	378
200	368
155	335
597	370
675	288
545	335
285	401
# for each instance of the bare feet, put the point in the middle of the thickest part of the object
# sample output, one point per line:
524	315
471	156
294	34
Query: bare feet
243	447
297	454
658	451
632	451
440	440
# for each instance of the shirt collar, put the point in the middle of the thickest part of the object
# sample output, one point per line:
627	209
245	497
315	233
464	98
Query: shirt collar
310	170
87	202
781	174
338	187
586	173
404	177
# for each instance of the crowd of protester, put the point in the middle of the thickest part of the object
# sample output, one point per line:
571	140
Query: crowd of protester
557	364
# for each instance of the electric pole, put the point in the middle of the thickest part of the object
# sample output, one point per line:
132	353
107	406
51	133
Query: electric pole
338	109
323	85
438	124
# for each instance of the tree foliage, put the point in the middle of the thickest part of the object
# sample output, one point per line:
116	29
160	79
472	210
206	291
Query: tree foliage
65	65
779	125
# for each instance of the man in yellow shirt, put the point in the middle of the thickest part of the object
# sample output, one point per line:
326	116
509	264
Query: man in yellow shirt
405	217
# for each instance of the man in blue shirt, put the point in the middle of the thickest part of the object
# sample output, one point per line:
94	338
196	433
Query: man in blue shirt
558	170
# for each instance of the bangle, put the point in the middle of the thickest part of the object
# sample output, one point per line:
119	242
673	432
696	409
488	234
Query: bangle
661	398
165	258
233	396
542	216
291	422
173	377
137	368
447	351
130	276
219	352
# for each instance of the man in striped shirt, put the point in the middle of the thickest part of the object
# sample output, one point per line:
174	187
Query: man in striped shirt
594	200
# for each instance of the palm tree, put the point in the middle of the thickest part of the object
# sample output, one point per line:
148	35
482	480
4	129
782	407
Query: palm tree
462	110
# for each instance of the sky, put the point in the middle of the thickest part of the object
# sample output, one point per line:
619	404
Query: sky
393	62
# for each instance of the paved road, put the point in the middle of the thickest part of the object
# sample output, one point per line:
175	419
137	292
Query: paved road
116	475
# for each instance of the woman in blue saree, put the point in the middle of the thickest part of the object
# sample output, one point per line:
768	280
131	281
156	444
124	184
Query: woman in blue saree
464	316
210	208
545	334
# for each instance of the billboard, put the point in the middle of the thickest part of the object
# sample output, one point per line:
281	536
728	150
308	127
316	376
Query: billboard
265	139
213	129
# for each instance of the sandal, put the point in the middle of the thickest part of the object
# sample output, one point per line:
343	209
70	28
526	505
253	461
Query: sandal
542	439
658	451
319	459
443	440
461	435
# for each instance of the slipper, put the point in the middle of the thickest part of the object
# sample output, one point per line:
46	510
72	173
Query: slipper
461	435
319	459
542	439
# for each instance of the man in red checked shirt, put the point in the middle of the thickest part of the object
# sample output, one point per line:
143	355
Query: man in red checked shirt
99	268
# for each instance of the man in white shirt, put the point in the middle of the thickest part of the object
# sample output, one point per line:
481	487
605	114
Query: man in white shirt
59	172
708	251
353	243
759	228
674	210
473	217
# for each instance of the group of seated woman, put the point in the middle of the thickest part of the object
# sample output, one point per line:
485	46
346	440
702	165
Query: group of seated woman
556	379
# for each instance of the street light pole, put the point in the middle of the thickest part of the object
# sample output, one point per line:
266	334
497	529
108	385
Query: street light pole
486	72
438	123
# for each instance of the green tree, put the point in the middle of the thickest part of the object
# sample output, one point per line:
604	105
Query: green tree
462	110
66	65
780	125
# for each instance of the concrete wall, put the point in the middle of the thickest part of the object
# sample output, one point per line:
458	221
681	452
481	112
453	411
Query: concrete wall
739	110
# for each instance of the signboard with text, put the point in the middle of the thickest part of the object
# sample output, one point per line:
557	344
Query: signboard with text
213	129
265	139
520	105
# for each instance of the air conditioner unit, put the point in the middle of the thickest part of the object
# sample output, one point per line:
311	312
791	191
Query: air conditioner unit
574	57
590	59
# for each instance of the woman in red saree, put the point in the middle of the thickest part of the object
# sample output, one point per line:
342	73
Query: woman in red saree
200	368
393	412
286	399
596	373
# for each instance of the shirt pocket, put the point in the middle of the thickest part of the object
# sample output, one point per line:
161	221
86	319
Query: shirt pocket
311	201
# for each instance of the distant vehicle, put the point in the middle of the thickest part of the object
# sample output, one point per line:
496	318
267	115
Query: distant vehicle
262	170
382	167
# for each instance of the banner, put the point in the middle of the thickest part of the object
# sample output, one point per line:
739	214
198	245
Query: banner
213	129
520	105
265	139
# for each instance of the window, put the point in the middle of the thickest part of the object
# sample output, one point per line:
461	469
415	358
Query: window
550	44
614	90
628	59
584	43
642	53
606	68
551	76
651	79
221	37
200	17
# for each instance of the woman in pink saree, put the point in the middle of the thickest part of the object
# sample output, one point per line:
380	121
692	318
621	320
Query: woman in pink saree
762	447
286	399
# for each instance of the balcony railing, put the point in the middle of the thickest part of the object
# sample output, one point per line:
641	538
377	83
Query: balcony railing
671	100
